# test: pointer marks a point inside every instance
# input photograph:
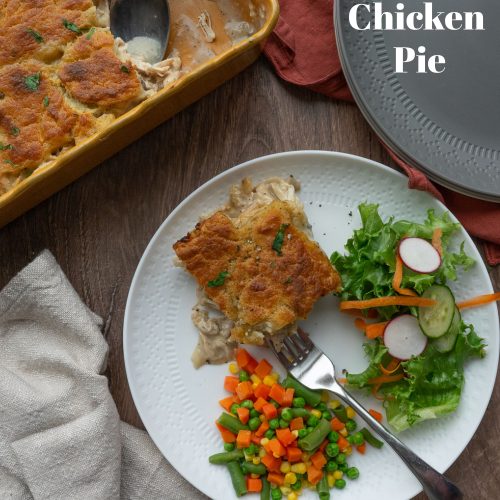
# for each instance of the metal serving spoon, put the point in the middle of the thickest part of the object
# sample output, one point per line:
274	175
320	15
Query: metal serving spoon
144	25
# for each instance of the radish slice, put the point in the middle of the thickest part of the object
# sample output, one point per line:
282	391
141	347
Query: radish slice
419	255
404	338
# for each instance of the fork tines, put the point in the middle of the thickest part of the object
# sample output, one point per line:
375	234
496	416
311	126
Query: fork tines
294	350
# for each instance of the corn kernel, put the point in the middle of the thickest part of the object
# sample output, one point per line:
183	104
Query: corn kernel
331	480
262	453
256	460
343	432
299	468
325	396
316	413
290	478
254	386
338	474
295	433
348	450
334	403
264	441
285	467
262	418
285	490
233	368
268	380
350	412
275	376
255	379
292	496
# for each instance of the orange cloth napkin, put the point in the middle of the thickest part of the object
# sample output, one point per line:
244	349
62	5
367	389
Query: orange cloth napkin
303	51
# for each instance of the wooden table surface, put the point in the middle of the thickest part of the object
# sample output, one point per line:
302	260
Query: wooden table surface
98	227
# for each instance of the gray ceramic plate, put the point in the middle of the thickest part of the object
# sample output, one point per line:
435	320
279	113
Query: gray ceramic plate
448	125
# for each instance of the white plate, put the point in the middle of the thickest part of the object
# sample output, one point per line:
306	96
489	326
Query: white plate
178	404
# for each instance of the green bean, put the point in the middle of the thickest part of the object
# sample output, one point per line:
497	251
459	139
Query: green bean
251	468
299	412
323	489
225	457
312	398
265	492
341	413
231	423
316	437
237	478
370	438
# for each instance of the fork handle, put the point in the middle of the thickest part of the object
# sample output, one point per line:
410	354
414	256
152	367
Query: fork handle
435	485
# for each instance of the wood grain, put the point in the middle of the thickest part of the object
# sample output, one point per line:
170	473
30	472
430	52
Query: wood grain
98	227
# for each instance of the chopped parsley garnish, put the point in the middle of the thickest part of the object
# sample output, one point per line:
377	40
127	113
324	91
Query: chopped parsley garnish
11	163
90	33
288	280
14	131
35	35
72	27
46	101
3	147
125	69
278	239
32	82
219	281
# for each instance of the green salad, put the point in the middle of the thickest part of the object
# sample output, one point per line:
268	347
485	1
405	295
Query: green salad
418	346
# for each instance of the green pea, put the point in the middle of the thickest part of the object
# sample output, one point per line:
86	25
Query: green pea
254	423
331	466
286	414
327	415
352	473
309	429
332	449
343	467
340	458
333	436
276	494
298	402
312	421
351	425
229	446
254	413
244	376
340	484
321	406
297	485
283	423
234	408
269	434
358	439
247	404
251	450
302	433
274	423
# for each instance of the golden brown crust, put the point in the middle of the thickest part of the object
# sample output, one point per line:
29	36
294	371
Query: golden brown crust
264	290
94	75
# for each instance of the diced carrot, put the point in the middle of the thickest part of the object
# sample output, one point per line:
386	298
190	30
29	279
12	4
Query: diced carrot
479	301
361	448
318	460
243	439
259	404
263	368
336	424
314	475
227	436
392	300
375	414
254	485
236	399
269	411
267	448
285	436
288	398
323	445
243	414
293	454
226	403
277	393
244	390
230	383
251	365
264	426
297	423
276	478
256	439
343	443
272	463
243	358
262	391
277	449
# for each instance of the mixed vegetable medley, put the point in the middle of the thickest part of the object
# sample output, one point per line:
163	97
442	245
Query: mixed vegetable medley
394	279
281	437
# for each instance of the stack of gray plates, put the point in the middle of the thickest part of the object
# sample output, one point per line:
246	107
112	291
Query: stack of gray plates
446	124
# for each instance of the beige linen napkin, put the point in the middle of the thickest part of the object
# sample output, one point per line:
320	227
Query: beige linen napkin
60	433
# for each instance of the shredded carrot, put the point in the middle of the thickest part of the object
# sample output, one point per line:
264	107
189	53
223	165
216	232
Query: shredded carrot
342	380
392	300
375	414
393	366
375	393
354	313
375	330
436	240
398	277
360	324
479	301
386	379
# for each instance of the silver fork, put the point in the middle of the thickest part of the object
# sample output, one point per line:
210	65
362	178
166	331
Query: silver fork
314	369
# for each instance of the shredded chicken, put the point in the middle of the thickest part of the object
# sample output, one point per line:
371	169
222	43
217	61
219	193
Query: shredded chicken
205	24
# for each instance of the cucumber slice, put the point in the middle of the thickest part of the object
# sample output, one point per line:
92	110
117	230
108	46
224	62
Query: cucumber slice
446	343
436	320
